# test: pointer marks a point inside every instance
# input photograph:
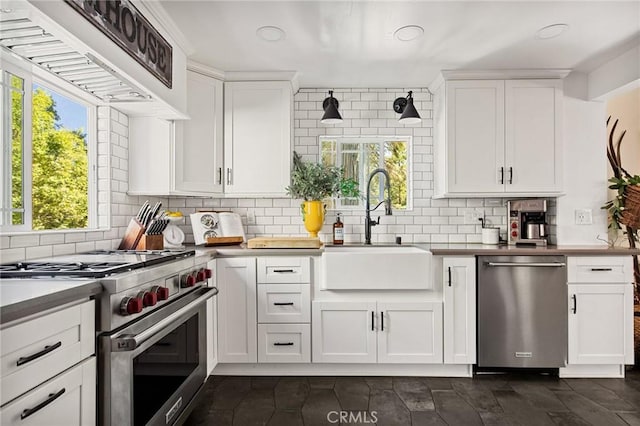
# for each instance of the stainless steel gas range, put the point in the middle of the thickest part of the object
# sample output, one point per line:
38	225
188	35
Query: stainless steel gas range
151	328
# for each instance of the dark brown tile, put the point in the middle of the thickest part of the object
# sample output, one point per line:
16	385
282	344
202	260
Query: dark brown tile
608	399
230	392
519	409
567	418
497	419
321	382
352	393
539	396
379	382
583	384
453	409
587	409
388	408
291	392
255	409
414	392
633	419
286	418
264	382
426	418
439	383
213	418
476	394
318	405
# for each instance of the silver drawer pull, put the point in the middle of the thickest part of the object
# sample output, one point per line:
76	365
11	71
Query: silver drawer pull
283	344
283	303
601	269
284	271
532	264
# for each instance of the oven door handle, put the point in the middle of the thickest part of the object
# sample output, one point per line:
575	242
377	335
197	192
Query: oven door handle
129	342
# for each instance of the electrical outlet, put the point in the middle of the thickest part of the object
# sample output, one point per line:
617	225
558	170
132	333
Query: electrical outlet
584	217
471	216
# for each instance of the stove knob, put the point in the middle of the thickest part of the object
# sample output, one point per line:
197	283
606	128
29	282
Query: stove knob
514	234
162	293
130	305
208	273
188	280
201	276
149	298
514	225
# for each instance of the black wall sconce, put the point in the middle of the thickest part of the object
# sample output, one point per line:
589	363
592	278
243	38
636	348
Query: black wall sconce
405	107
331	114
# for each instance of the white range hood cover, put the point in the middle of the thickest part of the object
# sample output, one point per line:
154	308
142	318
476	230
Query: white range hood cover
22	36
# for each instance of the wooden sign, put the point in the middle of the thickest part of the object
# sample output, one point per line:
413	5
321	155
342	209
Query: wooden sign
124	25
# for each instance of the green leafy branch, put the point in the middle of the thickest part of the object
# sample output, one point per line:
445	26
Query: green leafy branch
316	181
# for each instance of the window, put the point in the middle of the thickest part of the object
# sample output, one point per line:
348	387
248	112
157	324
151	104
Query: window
47	156
359	156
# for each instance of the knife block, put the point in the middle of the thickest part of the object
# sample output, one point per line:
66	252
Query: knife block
151	242
132	235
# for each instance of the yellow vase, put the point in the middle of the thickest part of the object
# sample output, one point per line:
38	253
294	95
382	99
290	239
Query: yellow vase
313	216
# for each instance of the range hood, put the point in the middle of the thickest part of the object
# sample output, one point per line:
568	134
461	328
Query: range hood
20	35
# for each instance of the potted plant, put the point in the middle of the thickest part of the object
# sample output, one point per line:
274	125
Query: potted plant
313	182
624	208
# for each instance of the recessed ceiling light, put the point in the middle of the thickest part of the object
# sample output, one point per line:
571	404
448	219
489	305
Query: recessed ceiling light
409	32
551	31
270	33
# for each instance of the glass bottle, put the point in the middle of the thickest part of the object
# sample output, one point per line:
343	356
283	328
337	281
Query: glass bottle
338	231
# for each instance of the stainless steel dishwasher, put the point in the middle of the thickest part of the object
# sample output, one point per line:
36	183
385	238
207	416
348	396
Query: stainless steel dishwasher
522	312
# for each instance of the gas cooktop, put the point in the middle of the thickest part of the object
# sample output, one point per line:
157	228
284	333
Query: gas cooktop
94	264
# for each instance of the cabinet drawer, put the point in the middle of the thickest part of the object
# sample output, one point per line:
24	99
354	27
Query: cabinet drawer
601	269
33	351
282	270
284	343
288	303
68	399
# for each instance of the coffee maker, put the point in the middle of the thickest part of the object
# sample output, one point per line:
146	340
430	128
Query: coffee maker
527	222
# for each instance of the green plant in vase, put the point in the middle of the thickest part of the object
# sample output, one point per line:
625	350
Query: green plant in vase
314	182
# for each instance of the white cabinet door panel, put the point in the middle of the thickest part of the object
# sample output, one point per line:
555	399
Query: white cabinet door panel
237	312
459	288
344	332
600	323
532	133
475	135
410	332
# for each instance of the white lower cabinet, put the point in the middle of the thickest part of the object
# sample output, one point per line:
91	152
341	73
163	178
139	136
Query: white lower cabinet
237	313
284	343
68	399
370	332
600	324
459	289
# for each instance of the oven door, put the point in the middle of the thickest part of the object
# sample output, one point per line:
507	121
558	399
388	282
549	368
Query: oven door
151	370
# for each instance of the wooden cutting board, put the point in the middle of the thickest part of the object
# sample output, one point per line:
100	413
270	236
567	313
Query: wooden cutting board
223	241
284	242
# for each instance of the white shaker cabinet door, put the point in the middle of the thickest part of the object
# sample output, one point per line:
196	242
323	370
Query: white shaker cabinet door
237	312
257	137
459	288
410	332
600	324
533	131
344	332
198	147
475	136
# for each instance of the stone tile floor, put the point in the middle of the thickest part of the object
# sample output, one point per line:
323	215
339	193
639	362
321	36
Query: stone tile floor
510	399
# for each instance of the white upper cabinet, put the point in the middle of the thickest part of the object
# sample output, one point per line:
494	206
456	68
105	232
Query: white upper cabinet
198	153
257	137
181	157
498	137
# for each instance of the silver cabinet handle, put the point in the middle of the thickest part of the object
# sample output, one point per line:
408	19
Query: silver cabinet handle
219	175
228	176
533	264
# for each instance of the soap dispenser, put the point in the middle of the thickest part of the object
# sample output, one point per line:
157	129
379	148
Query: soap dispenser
338	231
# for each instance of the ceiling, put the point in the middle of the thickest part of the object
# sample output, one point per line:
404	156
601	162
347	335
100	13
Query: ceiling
351	43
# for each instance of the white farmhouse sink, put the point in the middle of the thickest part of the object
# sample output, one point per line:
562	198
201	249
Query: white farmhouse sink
376	268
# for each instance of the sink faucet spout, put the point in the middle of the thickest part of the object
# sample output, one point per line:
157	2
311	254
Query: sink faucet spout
368	223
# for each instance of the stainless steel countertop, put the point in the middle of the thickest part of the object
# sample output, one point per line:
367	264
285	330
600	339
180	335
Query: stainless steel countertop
20	297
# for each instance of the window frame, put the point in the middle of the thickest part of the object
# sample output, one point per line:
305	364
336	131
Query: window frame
380	140
33	75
